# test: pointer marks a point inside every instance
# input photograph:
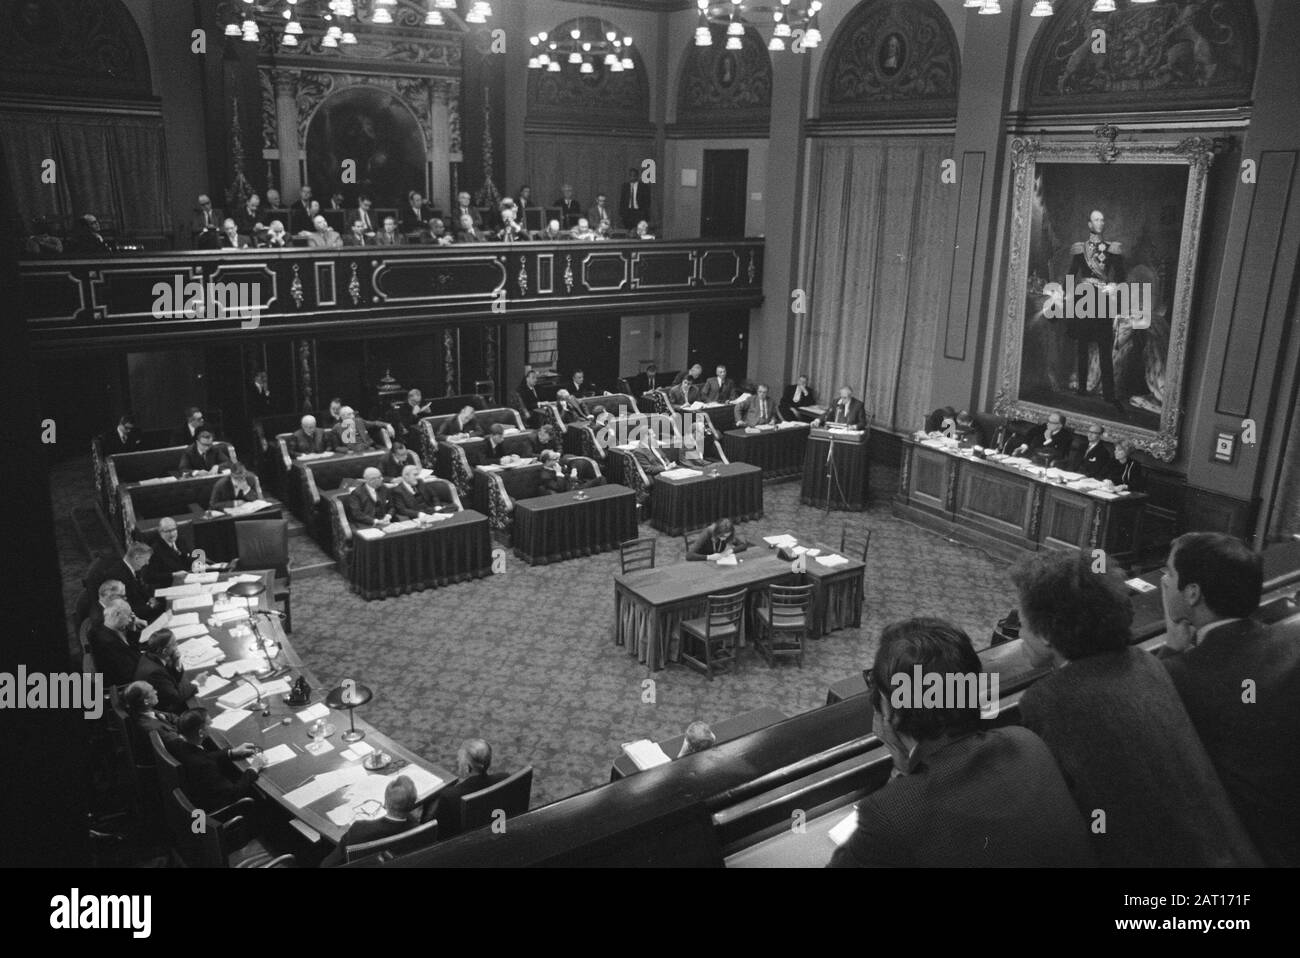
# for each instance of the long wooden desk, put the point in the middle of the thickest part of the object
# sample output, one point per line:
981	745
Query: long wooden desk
1010	510
724	731
267	732
728	491
650	604
779	452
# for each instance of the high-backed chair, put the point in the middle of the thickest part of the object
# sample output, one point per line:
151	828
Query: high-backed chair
167	770
225	841
782	621
637	554
511	795
717	634
263	544
589	471
384	849
854	546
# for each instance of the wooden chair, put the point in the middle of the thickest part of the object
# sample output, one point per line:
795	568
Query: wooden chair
511	795
782	622
168	770
637	554
386	849
853	547
717	633
690	538
263	544
225	841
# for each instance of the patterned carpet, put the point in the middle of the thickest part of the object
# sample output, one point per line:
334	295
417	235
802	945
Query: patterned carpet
526	659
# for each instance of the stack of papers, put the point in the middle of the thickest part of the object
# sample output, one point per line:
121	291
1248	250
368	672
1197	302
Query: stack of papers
191	577
228	616
792	425
1103	494
491	467
402	526
243	509
201	601
832	561
645	754
318	711
314	455
225	721
228	670
238	697
200	653
179	591
321	785
369	532
246	577
783	540
210	684
681	473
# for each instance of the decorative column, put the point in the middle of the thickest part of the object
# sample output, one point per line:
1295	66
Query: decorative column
440	154
286	125
306	350
449	365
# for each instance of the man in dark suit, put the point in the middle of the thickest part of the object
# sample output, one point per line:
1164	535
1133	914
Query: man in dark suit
352	432
211	779
472	764
970	432
578	385
847	411
399	805
717	541
364	212
413	215
367	504
160	666
412	497
644	382
205	224
113	644
1096	459
189	432
308	439
259	396
1049	441
301	213
129	570
398	458
1240	682
570	207
463	423
758	409
240	486
599	215
231	238
686	387
634	200
492	449
408	415
552	480
389	235
570	410
960	796
204	455
464	207
124	438
143	717
647	455
357	235
797	394
526	399
168	557
248	218
470	232
1112	718
87	238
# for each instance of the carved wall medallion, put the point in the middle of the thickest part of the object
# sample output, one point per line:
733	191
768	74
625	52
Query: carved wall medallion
726	89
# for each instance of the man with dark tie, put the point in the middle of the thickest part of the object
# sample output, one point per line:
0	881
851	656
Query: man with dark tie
526	398
248	218
496	437
389	235
646	381
160	666
231	238
1096	457
570	208
598	215
365	213
240	486
847	411
718	388
758	409
193	423
686	388
634	202
123	438
357	236
367	504
413	215
259	395
462	424
716	542
797	394
204	455
469	232
301	214
308	440
398	458
128	570
578	385
113	644
205	224
408	415
168	557
412	497
465	207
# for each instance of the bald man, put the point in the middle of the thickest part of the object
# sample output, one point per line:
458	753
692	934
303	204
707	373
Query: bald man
168	557
367	505
472	764
309	439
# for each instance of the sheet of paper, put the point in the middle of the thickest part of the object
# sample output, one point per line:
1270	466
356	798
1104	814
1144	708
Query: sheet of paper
225	721
832	561
358	750
729	560
1139	585
323	784
202	577
193	601
229	670
211	684
188	618
681	473
318	711
645	753
202	658
792	425
278	754
238	697
228	616
319	747
369	533
276	687
785	539
844	828
345	814
425	782
183	632
247	577
179	591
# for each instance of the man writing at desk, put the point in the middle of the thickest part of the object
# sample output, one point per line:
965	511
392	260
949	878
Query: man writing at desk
308	440
240	486
717	542
202	455
847	411
462	424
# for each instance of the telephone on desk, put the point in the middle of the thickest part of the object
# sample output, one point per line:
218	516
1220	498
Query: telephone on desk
299	693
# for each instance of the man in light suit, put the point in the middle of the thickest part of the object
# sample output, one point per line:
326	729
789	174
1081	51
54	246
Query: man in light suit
758	409
847	411
368	504
323	236
1215	652
960	796
399	808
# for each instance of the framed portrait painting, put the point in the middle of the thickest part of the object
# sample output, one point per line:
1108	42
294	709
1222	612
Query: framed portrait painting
1104	244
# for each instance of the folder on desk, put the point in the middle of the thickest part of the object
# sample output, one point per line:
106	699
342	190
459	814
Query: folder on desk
645	754
193	577
370	533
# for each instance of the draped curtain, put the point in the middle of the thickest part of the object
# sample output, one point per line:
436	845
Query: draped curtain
112	166
876	273
590	164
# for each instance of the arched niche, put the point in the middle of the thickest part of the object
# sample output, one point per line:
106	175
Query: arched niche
602	98
726	90
87	48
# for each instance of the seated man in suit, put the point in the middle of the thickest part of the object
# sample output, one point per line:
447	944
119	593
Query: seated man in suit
248	218
398	458
160	666
399	809
1050	441
240	486
496	436
168	558
547	438
463	423
569	205
358	235
1096	460
642	383
569	409
144	716
847	411
649	457
583	230
512	231
204	455
412	497
552	481
598	216
578	385
758	409
368	504
124	438
407	416
698	738
797	394
275	236
969	432
231	238
352	433
189	432
961	795
390	235
716	542
718	388
1213	651
129	570
1112	717
91	605
526	399
464	207
469	233
686	387
1125	472
211	779
205	225
114	645
413	214
553	232
308	439
472	764
321	235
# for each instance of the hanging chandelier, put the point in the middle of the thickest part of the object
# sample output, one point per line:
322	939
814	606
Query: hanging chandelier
336	20
785	20
1044	8
582	46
